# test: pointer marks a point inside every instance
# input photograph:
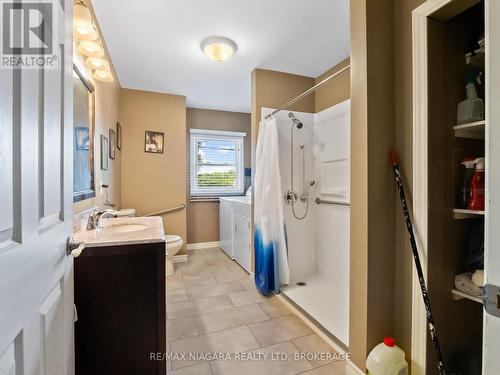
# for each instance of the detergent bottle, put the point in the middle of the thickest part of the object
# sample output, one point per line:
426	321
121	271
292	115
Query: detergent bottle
476	194
387	359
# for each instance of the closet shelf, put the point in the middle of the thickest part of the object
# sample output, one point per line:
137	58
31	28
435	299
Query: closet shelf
457	295
474	130
459	214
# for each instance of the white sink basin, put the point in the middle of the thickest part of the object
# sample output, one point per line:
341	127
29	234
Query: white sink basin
126	228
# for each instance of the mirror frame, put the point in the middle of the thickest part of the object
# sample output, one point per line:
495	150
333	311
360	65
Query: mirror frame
91	193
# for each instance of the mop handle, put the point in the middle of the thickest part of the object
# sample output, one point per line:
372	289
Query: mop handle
425	294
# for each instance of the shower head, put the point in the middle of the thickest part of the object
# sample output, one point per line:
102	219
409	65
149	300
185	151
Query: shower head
295	122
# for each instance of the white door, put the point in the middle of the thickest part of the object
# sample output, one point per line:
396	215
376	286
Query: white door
491	347
36	276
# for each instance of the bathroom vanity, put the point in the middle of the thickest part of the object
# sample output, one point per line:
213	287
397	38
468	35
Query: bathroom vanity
120	298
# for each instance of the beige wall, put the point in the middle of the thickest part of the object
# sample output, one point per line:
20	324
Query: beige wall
154	182
107	104
272	89
203	217
334	91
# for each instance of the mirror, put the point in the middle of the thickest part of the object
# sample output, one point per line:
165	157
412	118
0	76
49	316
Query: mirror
83	135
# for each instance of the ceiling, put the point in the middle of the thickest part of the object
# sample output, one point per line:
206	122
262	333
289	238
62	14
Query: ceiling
155	44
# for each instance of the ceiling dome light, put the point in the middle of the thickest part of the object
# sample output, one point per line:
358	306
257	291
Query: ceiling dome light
218	48
96	63
90	48
103	76
82	23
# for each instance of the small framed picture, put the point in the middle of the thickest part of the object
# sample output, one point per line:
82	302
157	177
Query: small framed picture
118	136
82	138
104	153
154	142
112	143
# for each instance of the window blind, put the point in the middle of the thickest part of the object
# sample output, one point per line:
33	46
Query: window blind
216	165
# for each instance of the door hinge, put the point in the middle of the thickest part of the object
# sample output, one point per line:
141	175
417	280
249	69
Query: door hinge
491	299
75	317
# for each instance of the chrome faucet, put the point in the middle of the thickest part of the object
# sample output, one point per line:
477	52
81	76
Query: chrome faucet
96	216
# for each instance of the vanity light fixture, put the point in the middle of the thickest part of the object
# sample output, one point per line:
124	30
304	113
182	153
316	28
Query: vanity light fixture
103	76
90	48
82	23
97	63
218	48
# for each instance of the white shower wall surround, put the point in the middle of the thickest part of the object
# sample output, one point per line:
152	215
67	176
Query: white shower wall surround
318	246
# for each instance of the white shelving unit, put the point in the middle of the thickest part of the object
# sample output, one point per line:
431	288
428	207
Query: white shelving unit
458	295
459	214
472	130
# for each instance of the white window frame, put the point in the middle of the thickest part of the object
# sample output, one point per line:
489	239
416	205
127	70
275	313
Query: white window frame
200	134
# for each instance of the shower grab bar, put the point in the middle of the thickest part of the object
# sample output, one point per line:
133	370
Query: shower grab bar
336	203
168	211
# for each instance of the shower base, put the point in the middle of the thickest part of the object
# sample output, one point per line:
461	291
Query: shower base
320	299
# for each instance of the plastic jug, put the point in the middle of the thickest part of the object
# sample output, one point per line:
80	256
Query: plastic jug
387	359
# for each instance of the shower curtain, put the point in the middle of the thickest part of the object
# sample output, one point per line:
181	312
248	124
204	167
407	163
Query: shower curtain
271	258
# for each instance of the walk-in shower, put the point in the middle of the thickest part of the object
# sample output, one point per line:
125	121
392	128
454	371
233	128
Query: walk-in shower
314	165
291	195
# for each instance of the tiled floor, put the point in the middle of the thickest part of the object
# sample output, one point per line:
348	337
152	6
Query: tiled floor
214	308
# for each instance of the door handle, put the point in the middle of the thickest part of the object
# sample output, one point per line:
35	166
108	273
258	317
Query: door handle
74	248
491	299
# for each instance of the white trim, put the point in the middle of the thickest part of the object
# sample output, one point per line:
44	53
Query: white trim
217	132
420	175
183	258
202	245
238	139
351	368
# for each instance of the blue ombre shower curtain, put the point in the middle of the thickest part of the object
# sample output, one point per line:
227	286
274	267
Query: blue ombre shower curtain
271	259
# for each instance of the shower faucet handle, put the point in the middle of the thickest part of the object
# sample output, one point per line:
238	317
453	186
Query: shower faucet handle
290	197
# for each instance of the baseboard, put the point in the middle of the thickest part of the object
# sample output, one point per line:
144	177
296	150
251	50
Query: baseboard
351	368
202	245
183	258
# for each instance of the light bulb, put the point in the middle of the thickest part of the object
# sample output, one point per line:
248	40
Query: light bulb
82	23
103	76
90	48
97	63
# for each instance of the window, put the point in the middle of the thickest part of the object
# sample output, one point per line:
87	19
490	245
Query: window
216	163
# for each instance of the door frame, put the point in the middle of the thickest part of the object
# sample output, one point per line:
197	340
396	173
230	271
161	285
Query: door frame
420	17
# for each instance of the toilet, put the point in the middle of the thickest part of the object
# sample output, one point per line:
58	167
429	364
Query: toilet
174	244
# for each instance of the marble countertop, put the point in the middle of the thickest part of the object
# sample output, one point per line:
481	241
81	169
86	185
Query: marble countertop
123	231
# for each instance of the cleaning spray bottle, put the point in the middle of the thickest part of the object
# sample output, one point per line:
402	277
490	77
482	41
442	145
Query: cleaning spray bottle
472	108
387	359
476	194
465	178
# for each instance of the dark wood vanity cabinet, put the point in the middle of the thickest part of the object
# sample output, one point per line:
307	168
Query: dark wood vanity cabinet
121	308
